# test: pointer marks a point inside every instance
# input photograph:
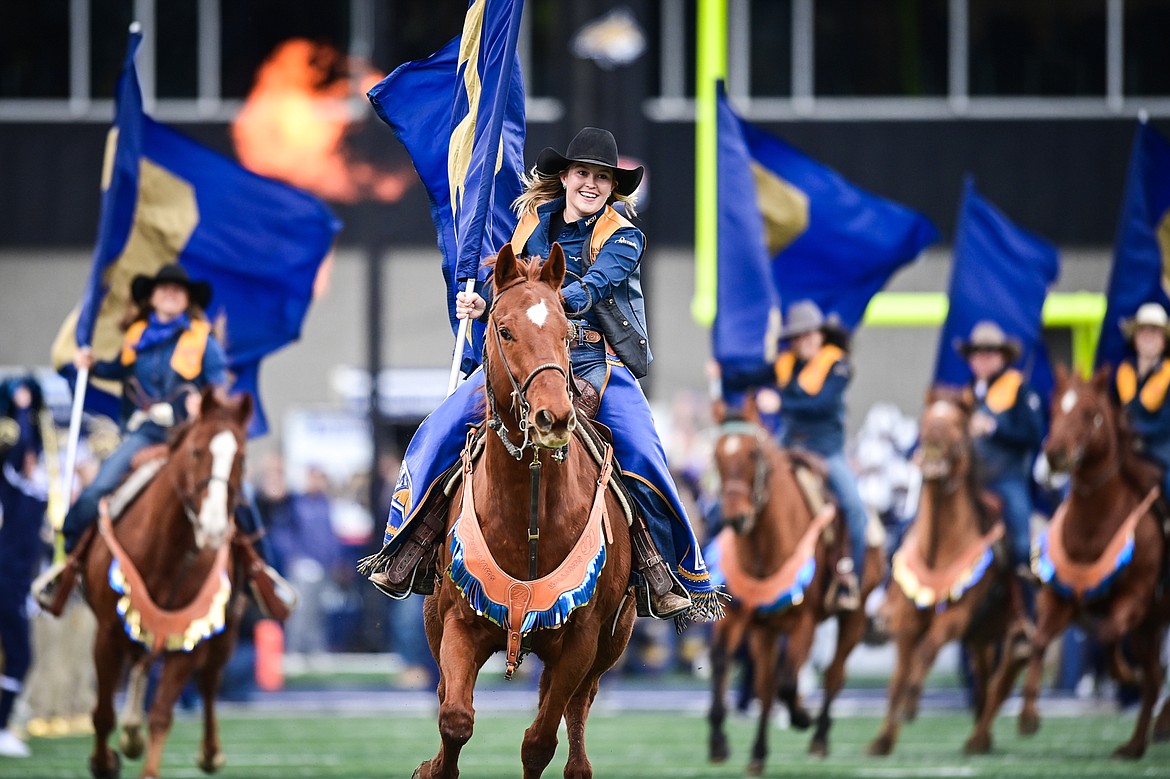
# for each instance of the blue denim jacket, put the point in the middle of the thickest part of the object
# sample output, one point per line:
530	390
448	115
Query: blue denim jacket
614	276
158	381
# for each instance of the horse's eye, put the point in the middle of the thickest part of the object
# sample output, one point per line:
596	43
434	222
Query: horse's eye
506	334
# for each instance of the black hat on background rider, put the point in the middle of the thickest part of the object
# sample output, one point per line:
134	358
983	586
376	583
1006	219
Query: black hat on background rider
142	287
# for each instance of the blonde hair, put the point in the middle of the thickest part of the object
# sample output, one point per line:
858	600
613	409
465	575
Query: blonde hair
540	188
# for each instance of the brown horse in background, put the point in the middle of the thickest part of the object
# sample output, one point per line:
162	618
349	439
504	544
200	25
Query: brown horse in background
177	587
946	584
1108	510
488	536
784	562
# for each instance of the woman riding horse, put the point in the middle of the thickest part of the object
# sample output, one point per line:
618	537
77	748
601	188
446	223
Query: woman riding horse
1140	385
169	353
568	200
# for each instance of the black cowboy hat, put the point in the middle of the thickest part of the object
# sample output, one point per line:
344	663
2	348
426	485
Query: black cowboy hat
596	147
142	287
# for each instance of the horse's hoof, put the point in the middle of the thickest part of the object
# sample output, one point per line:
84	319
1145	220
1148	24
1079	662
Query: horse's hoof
132	742
1129	751
1029	724
209	764
113	772
1161	735
977	745
755	768
799	719
818	749
880	746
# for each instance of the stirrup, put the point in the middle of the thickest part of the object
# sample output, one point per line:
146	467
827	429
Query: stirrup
381	581
845	591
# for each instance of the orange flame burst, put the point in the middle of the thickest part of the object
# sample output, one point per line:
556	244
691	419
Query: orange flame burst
296	121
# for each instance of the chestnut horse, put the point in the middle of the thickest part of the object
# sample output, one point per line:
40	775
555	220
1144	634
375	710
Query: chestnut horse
167	567
777	564
950	580
1102	557
533	559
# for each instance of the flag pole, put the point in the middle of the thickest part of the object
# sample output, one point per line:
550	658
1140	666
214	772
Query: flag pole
460	339
71	445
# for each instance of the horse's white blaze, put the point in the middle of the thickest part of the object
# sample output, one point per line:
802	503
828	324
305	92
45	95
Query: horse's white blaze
730	445
1068	400
939	408
538	313
213	514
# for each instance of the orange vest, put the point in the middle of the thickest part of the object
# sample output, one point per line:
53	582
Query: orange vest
812	376
186	360
1002	394
608	223
1153	392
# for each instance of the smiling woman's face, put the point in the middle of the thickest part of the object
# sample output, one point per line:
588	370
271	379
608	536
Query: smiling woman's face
587	189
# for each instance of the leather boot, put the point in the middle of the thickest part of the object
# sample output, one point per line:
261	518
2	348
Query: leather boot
663	601
275	596
51	589
413	566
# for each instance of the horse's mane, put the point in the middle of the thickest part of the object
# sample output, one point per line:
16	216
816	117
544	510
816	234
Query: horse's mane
1137	471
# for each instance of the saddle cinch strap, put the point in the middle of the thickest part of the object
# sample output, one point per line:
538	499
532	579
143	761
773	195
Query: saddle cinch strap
148	623
1084	578
781	588
524	597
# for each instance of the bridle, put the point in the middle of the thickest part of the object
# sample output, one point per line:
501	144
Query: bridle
187	496
761	469
1077	457
519	389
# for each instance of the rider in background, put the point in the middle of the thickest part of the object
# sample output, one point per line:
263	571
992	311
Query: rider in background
169	354
23	499
1007	428
813	374
1140	385
568	200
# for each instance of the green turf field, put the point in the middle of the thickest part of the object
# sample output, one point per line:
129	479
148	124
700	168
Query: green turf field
629	746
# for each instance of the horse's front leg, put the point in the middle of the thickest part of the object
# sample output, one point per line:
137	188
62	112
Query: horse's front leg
609	650
1146	645
211	758
104	763
176	670
764	642
905	642
850	629
132	742
1053	615
725	640
460	658
561	678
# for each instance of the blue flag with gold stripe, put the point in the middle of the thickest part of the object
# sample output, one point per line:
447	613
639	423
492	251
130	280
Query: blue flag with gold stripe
1001	273
460	115
1141	253
791	228
258	242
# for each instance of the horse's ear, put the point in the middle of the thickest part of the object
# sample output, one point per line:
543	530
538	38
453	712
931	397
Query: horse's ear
751	410
718	410
553	270
244	408
1101	378
1060	376
209	399
506	267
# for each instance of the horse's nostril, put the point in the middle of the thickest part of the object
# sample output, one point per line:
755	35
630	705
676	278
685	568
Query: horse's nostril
544	421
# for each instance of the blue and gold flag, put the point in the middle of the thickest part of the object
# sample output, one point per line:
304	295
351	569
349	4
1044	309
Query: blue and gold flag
1141	253
792	229
460	115
166	199
1000	273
